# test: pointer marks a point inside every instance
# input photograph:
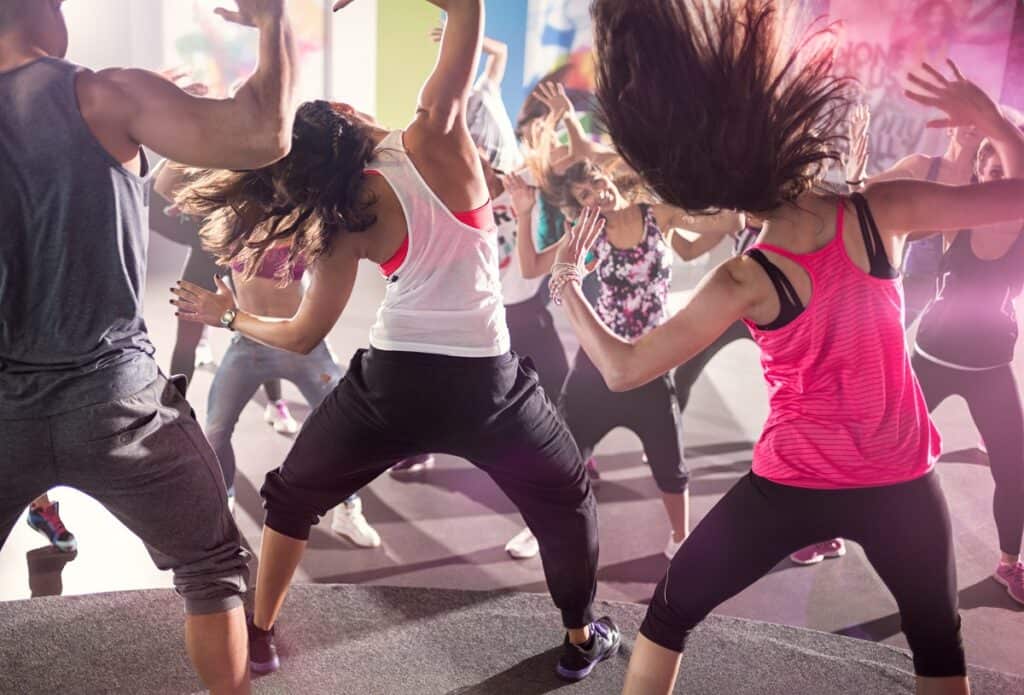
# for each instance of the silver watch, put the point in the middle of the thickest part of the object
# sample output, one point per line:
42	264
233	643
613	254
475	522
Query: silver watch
227	319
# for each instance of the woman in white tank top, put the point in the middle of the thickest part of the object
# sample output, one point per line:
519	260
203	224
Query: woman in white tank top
439	376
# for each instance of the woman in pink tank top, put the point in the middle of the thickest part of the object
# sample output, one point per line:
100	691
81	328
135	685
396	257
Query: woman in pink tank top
848	448
439	375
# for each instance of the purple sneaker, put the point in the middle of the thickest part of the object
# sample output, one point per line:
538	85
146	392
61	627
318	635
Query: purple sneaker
813	554
262	650
1012	577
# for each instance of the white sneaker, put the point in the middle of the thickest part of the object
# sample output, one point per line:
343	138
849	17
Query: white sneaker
350	523
278	415
523	546
204	354
673	545
231	504
413	464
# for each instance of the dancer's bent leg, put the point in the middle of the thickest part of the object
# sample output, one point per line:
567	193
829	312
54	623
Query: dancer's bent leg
528	451
234	384
760	523
343	446
146	460
916	524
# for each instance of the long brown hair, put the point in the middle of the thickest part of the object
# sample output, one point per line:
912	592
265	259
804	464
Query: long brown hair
712	105
307	198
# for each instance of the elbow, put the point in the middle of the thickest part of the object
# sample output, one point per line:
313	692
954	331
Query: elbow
620	380
273	147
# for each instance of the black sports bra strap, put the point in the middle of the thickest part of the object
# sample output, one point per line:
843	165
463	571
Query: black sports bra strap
790	305
878	258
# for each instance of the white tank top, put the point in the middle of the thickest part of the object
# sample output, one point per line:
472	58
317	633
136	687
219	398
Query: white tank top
445	297
515	289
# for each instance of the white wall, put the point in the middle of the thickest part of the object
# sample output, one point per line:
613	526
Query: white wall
106	33
354	64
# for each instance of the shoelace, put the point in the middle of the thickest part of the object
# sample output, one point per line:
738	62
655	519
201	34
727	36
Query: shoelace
599	628
52	518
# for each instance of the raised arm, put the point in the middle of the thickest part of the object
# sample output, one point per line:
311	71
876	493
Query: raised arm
711	229
444	95
247	131
334	276
724	296
532	263
904	206
496	62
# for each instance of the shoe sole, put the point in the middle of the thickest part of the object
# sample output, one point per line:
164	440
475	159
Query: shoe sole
66	548
825	556
265	667
575	676
352	540
1007	585
521	556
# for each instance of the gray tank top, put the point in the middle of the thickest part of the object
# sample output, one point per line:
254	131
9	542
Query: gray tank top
72	254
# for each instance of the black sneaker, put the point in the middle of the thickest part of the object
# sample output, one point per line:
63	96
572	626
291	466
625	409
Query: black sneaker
577	662
262	652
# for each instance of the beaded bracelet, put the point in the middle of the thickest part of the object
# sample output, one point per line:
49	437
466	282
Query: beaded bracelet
561	275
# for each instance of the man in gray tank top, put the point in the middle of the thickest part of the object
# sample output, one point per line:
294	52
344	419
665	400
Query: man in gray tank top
82	402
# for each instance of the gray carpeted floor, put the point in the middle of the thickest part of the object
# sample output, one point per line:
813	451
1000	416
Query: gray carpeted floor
380	640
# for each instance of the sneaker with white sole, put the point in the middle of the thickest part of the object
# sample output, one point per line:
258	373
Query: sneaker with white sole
578	660
813	554
414	464
262	649
350	523
673	545
47	521
523	545
278	415
1012	577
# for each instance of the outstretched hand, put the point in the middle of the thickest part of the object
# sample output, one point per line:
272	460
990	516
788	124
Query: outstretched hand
963	101
199	305
253	13
552	95
579	239
523	195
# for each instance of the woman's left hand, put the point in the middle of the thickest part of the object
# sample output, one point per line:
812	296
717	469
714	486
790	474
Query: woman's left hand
579	239
199	305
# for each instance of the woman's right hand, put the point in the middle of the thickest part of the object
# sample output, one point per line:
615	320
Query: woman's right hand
524	196
552	95
963	101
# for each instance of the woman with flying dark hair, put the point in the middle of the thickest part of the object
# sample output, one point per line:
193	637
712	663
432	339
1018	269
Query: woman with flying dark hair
848	449
439	376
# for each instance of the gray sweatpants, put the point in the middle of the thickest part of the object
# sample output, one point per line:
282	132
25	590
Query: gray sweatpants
146	460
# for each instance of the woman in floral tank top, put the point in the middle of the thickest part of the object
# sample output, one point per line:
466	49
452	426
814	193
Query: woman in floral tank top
633	262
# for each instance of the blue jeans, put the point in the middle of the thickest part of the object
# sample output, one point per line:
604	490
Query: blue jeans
243	369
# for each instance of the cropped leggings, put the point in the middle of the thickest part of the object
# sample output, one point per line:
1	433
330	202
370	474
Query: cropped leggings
904	530
994	402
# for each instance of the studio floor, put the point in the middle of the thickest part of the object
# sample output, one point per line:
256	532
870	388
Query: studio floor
446	528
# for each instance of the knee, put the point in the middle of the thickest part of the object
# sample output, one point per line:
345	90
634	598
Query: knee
671	479
289	511
671	615
216	582
937	646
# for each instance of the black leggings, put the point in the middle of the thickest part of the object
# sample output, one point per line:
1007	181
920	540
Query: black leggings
533	333
651	412
904	530
490	411
995	406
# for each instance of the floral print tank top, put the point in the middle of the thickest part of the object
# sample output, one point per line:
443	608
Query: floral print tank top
635	281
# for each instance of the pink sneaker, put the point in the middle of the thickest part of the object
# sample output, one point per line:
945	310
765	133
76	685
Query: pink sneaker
593	473
1012	577
813	554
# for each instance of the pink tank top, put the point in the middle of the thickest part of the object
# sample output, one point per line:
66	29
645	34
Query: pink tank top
846	408
274	259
